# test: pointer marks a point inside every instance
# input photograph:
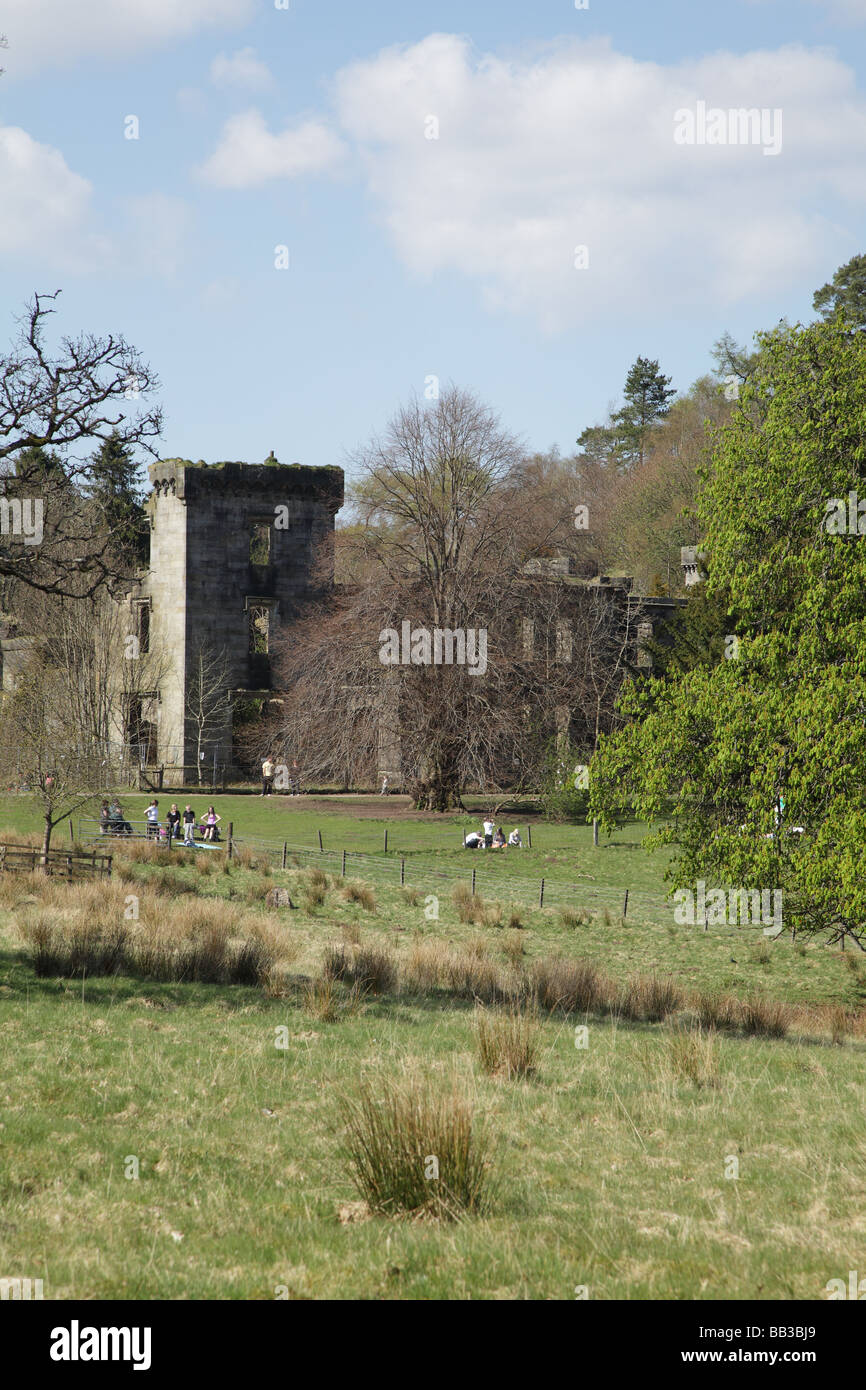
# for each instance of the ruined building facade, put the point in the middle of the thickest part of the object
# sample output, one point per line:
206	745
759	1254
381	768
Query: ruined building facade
232	549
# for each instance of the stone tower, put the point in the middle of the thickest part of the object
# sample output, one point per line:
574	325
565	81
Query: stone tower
231	555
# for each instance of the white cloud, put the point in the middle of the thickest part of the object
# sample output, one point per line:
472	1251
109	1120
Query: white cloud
242	69
45	211
42	33
248	154
575	147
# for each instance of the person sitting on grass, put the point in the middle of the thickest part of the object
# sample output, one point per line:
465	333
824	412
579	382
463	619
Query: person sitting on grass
514	839
499	839
188	825
119	826
472	841
211	822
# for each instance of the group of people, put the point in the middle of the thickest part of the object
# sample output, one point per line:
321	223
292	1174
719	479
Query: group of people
491	838
113	822
269	772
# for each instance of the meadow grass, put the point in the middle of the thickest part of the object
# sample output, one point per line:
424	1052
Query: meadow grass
624	1070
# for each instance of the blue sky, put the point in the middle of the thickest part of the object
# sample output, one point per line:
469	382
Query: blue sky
411	256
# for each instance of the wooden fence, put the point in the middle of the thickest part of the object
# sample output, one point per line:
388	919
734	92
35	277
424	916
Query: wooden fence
60	862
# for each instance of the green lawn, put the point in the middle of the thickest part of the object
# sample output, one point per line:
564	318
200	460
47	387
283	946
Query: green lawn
612	1168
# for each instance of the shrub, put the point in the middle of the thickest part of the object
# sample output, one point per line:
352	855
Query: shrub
414	1151
508	1040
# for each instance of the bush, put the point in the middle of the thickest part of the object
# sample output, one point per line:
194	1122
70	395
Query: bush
413	1151
508	1041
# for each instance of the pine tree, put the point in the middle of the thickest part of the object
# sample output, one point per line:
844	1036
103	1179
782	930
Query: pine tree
647	393
845	294
115	491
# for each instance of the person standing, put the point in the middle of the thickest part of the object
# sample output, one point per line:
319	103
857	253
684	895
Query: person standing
152	814
211	821
188	825
268	773
488	833
173	822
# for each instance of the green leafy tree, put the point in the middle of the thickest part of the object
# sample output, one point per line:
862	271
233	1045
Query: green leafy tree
845	294
752	767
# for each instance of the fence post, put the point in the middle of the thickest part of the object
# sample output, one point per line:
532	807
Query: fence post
230	845
285	852
343	870
386	839
529	836
595	833
541	895
71	831
473	883
320	842
402	872
625	904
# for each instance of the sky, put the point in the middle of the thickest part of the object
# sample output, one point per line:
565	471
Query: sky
303	213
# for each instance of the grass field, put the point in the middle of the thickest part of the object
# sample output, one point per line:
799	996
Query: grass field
612	1164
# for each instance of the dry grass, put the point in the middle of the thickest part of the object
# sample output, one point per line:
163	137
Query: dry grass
765	1018
692	1056
361	893
508	1040
415	1151
513	948
569	986
649	998
716	1010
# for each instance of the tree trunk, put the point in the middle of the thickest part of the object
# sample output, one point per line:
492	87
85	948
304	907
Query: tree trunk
46	842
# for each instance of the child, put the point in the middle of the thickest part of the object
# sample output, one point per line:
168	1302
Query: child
173	822
211	821
188	825
152	814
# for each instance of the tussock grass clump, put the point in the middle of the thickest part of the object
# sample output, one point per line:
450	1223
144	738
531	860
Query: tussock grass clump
369	967
569	986
476	977
410	896
426	968
508	1040
356	892
570	917
515	919
351	933
760	1017
317	878
327	1001
841	1022
414	1151
649	998
77	947
314	896
716	1011
761	953
513	948
692	1055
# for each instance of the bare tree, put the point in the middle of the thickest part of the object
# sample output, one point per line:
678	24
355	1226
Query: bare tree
208	699
57	399
38	746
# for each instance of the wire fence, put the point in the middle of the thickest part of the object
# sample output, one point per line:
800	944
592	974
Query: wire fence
415	871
